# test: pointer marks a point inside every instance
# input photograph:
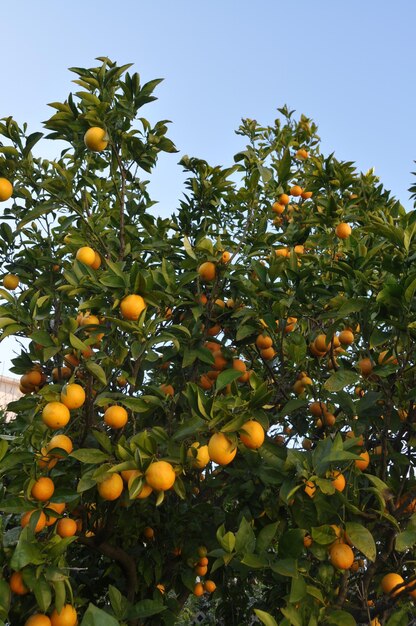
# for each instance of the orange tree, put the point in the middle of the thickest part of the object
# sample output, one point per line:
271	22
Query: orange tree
217	405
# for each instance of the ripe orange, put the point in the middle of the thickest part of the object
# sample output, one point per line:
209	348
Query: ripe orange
302	154
310	488
284	252
66	527
263	342
329	419
207	271
43	489
252	435
73	396
17	585
341	555
59	441
364	462
11	281
61	373
225	257
199	590
200	570
132	306
346	337
221	449
284	199
278	208
96	139
116	416
85	255
343	230
38	619
321	344
111	487
365	366
40	524
6	189
66	617
58	507
307	541
210	586
97	261
306	195
383	359
296	191
148	532
32	378
338	480
55	415
317	408
144	492
168	390
160	475
390	581
201	459
268	353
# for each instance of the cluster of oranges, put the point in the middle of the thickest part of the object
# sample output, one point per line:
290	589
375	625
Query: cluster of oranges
201	570
32	381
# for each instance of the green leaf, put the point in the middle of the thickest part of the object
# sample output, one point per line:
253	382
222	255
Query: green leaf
26	553
146	608
77	343
340	618
265	618
245	539
225	378
293	615
297	589
96	370
188	248
89	455
362	539
399	618
266	536
96	617
254	561
286	567
341	379
43	594
283	169
405	540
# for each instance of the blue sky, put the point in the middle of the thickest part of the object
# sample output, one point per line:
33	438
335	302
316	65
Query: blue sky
348	65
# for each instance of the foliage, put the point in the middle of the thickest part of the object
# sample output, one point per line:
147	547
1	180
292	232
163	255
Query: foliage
289	277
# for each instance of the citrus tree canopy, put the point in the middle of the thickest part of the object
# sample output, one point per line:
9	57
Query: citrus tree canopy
218	407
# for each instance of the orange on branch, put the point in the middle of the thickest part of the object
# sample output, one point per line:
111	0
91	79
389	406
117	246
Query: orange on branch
73	396
207	271
6	189
132	306
43	489
86	255
111	487
160	475
96	139
252	435
66	527
116	416
55	415
221	449
66	617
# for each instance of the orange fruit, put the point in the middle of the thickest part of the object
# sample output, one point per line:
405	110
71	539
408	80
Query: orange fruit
343	230
46	460
320	344
363	463
61	373
59	441
38	619
268	353
40	524
284	199
201	459
126	475
306	195
168	390
278	208
346	337
58	507
390	581
207	271
11	281
96	139
148	532
302	154
73	396
329	419
214	330
205	382
161	588
6	189
338	480
252	435
116	416
296	191
210	586
307	541
66	527
32	378
341	555
144	492
199	590
55	415
310	488
200	570
43	489
132	306
111	487
220	362
225	257
66	617
17	585
203	561
85	320
365	366
284	252
263	342
85	255
317	408
97	261
160	475
221	449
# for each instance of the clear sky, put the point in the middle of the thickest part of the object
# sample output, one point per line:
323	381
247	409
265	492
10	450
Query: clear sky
348	65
